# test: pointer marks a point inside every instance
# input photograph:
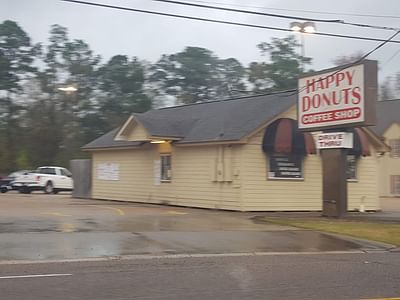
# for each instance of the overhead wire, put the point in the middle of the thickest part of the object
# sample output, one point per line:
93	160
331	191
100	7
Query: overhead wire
223	22
338	21
248	12
302	10
357	61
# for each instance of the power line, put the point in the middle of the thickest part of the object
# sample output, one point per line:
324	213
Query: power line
224	22
275	15
390	59
248	12
302	10
353	63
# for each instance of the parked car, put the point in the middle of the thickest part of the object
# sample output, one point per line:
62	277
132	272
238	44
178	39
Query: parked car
6	183
49	179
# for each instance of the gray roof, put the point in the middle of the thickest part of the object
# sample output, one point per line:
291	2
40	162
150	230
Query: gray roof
226	120
107	141
387	113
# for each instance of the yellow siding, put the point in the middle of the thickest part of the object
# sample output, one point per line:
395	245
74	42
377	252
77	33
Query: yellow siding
191	184
291	113
388	166
138	133
262	194
232	177
363	192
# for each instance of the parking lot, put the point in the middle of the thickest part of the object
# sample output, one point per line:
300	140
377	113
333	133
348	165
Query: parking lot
56	227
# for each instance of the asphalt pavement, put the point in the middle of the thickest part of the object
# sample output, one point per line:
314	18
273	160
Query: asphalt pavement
296	276
58	227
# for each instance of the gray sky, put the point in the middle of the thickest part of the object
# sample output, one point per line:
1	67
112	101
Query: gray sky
110	32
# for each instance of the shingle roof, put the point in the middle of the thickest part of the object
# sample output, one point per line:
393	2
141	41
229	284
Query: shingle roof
107	141
226	120
387	113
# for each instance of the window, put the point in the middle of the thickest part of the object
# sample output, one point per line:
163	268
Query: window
395	145
65	172
351	167
395	184
49	171
285	166
165	167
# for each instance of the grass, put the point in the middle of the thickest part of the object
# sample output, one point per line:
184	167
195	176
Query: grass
380	232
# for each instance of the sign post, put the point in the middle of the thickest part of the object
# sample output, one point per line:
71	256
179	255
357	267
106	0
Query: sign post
332	101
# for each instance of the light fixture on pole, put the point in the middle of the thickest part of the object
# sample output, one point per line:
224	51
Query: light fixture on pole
302	28
68	89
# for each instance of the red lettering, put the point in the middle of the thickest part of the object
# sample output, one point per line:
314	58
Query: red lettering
346	95
305	103
350	76
329	80
316	101
325	99
339	78
356	93
310	86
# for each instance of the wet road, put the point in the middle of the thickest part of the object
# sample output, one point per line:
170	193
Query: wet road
57	227
299	276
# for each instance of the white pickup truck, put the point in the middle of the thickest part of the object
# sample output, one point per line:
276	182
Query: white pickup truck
49	179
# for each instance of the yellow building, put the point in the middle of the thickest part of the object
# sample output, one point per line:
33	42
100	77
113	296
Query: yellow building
388	113
242	154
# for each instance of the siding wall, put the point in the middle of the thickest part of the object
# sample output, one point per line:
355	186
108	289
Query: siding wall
364	191
194	177
139	133
225	177
262	194
388	166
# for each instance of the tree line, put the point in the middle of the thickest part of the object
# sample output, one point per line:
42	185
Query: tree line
41	124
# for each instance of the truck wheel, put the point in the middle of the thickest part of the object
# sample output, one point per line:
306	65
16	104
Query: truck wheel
49	189
3	189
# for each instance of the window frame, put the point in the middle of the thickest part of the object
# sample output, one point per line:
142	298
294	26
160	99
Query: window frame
165	168
355	160
395	184
395	148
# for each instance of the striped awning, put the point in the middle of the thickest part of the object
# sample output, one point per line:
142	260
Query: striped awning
360	143
283	136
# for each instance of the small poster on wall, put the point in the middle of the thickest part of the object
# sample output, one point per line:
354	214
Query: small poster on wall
285	166
108	171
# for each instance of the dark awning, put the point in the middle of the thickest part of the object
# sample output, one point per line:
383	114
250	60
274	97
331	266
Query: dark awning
360	143
283	136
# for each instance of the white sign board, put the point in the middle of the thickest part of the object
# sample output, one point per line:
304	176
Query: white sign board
331	99
108	171
335	140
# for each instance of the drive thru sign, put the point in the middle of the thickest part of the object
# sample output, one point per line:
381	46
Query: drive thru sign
330	101
337	98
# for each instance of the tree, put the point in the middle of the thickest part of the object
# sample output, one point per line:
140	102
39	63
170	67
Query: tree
196	75
284	66
344	60
54	124
16	59
121	82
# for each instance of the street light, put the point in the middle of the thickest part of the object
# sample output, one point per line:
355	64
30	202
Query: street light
68	89
305	27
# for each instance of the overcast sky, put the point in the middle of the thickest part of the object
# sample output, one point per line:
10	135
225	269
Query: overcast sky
110	32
